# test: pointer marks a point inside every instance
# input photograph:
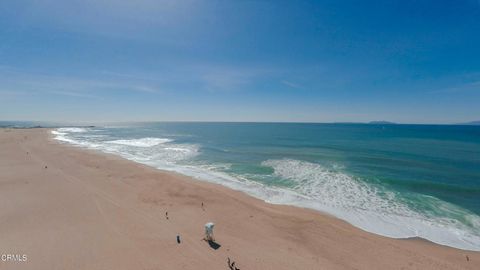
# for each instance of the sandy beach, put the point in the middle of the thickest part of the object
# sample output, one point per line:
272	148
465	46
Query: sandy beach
63	207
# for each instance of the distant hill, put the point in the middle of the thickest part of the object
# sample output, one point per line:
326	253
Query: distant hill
381	123
473	123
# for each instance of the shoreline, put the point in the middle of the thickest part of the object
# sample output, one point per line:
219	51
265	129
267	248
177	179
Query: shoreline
398	224
121	207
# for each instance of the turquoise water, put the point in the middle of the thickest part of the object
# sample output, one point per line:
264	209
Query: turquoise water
393	180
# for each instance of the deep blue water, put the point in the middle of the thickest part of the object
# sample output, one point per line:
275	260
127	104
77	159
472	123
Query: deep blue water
394	180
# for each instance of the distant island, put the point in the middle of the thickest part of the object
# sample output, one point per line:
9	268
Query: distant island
472	123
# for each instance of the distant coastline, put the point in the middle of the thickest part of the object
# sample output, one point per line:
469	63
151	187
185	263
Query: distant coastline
472	123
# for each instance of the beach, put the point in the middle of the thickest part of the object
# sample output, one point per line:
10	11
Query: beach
65	207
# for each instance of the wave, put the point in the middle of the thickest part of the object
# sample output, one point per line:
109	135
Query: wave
72	129
61	134
377	210
158	152
143	142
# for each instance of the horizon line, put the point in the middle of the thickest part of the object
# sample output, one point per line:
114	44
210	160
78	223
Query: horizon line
373	122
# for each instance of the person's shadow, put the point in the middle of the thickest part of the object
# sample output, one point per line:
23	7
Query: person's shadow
214	244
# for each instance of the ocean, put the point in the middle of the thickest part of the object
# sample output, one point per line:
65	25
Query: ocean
394	180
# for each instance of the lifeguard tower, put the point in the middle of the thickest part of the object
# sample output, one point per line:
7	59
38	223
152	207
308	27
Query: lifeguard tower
209	231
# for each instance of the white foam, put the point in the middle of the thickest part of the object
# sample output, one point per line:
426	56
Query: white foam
143	142
72	129
372	208
55	132
62	135
145	150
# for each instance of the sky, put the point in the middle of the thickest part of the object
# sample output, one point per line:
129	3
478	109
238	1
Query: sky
293	61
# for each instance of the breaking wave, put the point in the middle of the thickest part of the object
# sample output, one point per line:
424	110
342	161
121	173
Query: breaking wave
376	209
143	142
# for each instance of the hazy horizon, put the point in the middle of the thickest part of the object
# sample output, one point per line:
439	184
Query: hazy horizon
109	123
240	61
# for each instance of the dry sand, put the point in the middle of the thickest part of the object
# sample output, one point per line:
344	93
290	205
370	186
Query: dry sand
71	208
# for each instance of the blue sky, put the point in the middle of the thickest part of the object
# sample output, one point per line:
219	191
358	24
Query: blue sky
319	61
